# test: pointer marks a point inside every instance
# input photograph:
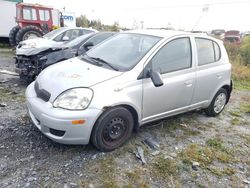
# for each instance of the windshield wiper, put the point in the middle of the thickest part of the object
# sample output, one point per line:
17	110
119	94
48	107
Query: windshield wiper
90	60
104	62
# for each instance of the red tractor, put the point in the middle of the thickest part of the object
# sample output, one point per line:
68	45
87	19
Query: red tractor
33	21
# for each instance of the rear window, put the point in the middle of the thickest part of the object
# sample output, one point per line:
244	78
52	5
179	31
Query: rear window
208	51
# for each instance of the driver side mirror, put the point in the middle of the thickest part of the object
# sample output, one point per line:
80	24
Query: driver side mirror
156	78
88	45
65	38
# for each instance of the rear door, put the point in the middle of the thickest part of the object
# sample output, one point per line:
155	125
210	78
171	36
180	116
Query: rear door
174	63
211	70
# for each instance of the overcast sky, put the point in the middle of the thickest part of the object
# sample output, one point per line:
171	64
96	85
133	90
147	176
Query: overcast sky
181	14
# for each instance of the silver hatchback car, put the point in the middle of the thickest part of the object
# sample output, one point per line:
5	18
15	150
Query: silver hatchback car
133	78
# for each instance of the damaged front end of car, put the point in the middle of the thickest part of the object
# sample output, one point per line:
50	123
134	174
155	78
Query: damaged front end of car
29	66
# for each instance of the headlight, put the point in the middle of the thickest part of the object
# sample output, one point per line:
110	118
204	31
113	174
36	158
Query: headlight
74	99
31	45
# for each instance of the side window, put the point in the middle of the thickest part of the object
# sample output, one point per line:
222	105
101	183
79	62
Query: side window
175	55
59	37
44	15
87	31
72	34
216	51
29	14
208	51
99	38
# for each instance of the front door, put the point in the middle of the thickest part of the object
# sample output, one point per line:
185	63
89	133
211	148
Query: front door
174	63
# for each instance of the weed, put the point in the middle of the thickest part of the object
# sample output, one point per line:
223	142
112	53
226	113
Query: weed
136	180
8	95
235	113
205	155
245	107
235	121
165	167
215	143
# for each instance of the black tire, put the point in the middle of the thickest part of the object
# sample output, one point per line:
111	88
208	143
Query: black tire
211	111
24	32
112	129
12	36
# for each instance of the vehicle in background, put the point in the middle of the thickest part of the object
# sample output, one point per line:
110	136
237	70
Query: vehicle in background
246	34
218	33
130	79
232	36
29	66
35	20
7	15
51	39
200	32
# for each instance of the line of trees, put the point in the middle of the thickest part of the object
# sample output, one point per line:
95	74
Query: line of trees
83	21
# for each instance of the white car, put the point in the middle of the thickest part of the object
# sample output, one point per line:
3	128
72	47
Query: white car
51	39
130	79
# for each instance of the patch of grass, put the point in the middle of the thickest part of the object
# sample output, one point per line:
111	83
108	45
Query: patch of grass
190	132
218	172
8	95
245	107
235	121
241	75
105	173
228	171
136	180
215	171
215	143
165	167
4	45
235	113
242	84
246	137
205	155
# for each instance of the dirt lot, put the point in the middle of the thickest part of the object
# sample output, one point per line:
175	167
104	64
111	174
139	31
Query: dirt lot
189	150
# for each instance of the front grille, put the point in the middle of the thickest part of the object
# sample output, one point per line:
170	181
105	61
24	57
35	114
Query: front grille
42	93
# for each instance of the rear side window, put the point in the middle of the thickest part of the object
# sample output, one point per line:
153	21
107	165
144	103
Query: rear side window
208	51
174	56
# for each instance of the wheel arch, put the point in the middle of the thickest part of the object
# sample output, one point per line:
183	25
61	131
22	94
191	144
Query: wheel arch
229	89
131	109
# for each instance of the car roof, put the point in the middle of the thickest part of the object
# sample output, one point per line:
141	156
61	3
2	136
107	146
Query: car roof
69	28
158	32
169	33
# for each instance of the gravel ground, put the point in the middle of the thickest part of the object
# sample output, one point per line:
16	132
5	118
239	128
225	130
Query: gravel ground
189	150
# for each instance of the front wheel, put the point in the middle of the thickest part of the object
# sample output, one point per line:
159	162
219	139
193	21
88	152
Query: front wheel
112	129
218	103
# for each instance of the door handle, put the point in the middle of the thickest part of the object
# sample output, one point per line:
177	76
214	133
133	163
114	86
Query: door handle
188	83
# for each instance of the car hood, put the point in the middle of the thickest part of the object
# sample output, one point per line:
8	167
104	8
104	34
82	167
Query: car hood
35	46
72	73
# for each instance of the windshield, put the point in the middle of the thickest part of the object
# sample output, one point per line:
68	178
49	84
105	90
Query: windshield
124	50
78	40
53	33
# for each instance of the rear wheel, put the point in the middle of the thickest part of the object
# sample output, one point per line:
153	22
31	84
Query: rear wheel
12	35
28	32
218	103
112	129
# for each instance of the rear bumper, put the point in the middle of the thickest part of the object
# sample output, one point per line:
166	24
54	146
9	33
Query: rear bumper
56	123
